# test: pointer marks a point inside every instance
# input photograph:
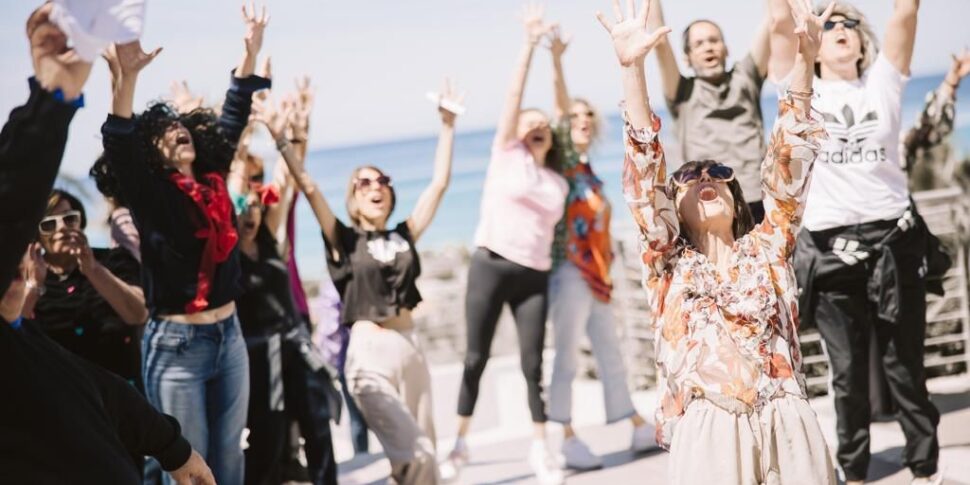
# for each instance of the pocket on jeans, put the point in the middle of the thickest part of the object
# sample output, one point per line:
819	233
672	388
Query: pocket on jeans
166	338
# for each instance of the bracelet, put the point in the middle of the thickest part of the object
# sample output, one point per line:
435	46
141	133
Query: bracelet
801	94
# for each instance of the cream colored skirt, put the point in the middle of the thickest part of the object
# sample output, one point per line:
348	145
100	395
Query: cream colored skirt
715	442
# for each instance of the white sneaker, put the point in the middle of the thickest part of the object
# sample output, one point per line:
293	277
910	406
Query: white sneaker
544	464
936	479
578	455
643	439
450	468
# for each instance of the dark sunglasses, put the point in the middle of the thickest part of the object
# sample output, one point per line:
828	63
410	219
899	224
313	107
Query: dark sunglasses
364	182
718	173
49	224
589	114
847	23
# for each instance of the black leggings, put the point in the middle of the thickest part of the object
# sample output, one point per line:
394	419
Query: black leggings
492	282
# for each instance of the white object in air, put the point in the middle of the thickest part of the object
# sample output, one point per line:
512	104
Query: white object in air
91	25
447	104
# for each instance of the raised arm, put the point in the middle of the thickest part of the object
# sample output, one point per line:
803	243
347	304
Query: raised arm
761	46
509	120
794	145
299	127
557	47
901	34
126	298
935	122
666	60
782	42
295	164
644	165
428	203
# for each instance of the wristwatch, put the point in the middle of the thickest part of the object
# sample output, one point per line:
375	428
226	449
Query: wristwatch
40	289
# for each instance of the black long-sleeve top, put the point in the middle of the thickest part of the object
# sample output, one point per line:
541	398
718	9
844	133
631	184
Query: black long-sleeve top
167	219
65	420
31	146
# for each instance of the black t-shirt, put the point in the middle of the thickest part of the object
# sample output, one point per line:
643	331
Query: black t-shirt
374	272
75	315
266	305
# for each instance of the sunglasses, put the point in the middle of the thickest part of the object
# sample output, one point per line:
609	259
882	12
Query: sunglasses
847	23
363	182
70	220
718	173
589	114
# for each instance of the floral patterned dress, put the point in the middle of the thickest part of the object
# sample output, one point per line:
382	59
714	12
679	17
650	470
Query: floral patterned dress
731	337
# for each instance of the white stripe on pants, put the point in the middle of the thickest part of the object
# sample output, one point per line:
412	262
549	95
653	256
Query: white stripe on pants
780	445
390	382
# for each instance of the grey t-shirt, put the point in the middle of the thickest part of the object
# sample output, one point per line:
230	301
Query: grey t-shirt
723	122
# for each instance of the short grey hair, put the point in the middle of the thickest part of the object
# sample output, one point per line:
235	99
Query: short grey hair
870	44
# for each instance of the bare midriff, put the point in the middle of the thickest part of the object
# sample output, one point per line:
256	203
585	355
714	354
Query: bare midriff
205	317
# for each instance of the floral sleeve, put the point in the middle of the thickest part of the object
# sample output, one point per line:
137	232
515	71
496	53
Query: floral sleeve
934	124
785	175
644	183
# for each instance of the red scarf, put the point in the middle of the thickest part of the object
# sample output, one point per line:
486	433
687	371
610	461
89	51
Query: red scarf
218	231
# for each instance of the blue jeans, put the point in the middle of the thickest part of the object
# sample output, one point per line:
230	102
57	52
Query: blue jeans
573	309
200	375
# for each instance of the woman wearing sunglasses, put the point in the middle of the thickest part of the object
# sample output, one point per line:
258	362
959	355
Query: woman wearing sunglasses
860	199
580	286
171	169
722	289
375	267
89	300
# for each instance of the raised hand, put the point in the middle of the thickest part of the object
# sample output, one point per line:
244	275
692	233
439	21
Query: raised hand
275	120
302	107
808	26
36	266
535	28
447	101
183	99
632	40
961	64
127	60
255	26
557	41
82	252
55	66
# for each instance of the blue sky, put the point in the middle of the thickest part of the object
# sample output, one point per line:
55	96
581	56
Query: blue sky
372	62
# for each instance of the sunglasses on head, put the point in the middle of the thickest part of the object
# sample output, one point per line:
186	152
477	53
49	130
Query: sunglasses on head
49	224
847	23
364	182
718	173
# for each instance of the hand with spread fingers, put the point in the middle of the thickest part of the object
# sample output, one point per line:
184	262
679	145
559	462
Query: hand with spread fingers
808	26
253	40
535	28
127	60
183	99
558	42
55	65
632	40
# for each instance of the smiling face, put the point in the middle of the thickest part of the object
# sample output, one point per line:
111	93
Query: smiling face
535	133
706	205
372	196
583	124
176	146
841	45
66	234
249	220
705	49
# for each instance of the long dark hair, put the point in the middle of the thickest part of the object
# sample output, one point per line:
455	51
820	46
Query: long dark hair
743	220
106	180
213	151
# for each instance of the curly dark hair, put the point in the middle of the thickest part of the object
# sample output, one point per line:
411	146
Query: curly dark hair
213	151
106	180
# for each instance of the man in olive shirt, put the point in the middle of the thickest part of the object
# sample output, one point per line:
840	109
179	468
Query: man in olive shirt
717	111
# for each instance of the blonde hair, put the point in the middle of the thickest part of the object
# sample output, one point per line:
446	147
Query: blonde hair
870	44
597	125
352	210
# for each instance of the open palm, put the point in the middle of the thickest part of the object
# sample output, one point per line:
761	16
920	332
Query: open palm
631	37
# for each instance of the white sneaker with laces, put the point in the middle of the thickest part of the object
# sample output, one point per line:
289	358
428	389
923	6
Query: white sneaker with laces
544	465
643	439
578	455
450	468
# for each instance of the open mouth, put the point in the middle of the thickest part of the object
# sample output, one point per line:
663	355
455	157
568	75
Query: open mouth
538	138
250	225
707	193
183	140
376	199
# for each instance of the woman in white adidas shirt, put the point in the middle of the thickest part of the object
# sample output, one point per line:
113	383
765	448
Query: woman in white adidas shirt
861	236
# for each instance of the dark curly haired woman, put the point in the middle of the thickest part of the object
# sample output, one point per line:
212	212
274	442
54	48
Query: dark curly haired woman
171	170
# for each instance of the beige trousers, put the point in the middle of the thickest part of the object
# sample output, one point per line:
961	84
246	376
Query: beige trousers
388	377
719	441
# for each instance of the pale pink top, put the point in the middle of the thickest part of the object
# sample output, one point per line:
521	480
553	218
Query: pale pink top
521	203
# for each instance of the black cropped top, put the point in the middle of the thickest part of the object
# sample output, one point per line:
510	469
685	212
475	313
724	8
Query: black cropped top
374	272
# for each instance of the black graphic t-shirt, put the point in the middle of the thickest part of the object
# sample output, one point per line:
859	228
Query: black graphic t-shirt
75	315
858	177
374	272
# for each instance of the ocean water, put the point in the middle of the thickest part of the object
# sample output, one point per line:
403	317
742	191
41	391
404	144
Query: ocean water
410	163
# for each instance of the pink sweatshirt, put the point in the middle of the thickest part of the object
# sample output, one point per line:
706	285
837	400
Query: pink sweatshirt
521	203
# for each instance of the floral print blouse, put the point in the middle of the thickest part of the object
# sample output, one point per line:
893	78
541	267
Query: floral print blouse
733	336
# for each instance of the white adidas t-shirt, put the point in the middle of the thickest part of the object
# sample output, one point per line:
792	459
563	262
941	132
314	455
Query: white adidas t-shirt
857	177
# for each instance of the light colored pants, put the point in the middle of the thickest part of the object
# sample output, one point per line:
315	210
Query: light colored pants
573	309
782	444
388	378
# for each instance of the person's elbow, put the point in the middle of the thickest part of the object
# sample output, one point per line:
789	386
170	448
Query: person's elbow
136	317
